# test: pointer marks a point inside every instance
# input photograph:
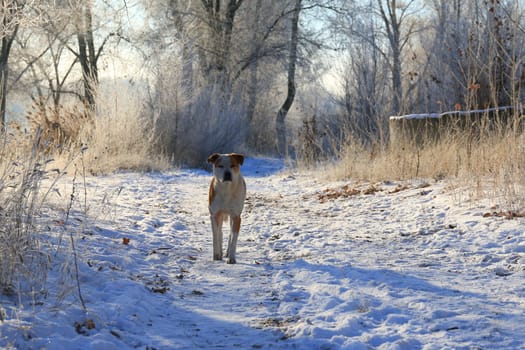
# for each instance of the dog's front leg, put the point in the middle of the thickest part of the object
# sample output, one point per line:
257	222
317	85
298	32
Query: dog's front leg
216	225
235	225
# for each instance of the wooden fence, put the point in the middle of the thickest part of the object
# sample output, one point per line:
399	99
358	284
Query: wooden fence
419	129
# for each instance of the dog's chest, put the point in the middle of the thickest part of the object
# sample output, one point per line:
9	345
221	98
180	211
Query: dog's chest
229	198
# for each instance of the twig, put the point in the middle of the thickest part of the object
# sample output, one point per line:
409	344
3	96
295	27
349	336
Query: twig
73	247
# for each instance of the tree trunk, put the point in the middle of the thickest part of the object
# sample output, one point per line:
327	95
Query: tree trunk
87	56
280	124
187	70
393	28
7	42
222	29
252	87
396	81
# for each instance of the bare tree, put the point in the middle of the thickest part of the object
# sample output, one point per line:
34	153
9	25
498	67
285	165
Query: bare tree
395	15
42	53
86	52
365	93
252	87
221	22
377	36
475	56
232	48
12	16
53	54
75	35
280	124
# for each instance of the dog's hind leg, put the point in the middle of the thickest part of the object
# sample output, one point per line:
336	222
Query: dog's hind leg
235	225
216	225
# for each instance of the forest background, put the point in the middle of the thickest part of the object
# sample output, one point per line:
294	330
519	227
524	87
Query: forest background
138	82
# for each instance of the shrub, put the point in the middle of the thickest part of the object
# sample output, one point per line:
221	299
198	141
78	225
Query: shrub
490	164
59	126
213	121
120	136
23	265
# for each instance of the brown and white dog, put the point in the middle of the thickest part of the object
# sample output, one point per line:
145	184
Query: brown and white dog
226	199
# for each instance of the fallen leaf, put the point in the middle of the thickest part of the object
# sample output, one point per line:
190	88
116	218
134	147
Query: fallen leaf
160	290
90	324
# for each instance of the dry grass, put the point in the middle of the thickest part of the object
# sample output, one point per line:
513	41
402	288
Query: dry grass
23	265
60	126
121	138
491	165
58	137
65	139
117	137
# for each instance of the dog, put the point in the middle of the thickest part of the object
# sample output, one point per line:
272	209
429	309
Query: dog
226	199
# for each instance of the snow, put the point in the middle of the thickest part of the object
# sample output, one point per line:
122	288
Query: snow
406	266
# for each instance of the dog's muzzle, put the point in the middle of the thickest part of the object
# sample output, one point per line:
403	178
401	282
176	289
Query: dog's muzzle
227	177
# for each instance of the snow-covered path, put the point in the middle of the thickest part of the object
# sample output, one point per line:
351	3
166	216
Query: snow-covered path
320	266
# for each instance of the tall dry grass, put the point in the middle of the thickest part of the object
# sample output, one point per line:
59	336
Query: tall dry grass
449	157
62	142
117	136
121	136
23	264
490	164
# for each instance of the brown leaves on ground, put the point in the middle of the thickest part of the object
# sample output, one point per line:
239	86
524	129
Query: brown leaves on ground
509	215
345	191
399	188
84	327
335	193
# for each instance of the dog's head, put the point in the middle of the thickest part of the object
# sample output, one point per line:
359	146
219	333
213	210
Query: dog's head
226	167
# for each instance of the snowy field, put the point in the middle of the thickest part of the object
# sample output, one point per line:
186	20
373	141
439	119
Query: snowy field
321	265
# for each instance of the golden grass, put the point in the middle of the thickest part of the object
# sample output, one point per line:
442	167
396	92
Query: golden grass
116	137
121	138
61	140
23	267
489	165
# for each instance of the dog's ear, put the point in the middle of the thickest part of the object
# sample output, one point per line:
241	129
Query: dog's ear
213	157
239	158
